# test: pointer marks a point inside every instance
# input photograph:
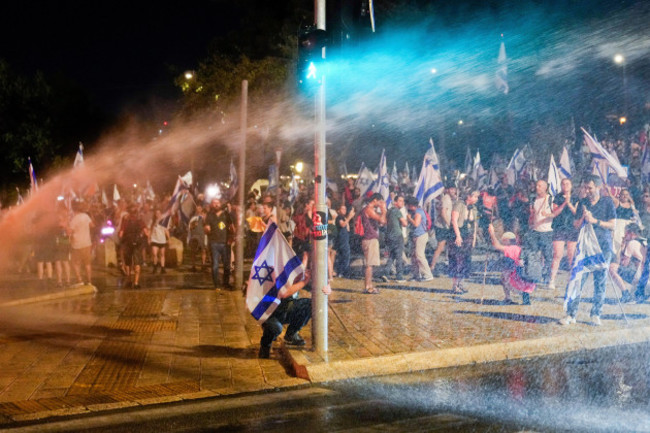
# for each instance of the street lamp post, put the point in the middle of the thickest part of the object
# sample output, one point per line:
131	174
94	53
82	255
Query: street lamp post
319	265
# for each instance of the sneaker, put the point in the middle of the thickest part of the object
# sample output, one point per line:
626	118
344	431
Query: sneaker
595	321
568	320
264	353
384	278
424	280
400	280
294	340
551	286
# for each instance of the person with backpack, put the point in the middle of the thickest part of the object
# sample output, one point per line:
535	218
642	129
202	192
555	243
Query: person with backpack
540	236
419	225
511	273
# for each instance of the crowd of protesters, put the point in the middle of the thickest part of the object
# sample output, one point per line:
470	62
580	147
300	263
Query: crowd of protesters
418	243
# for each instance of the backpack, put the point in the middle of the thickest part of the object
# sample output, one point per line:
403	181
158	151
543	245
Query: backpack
426	214
358	225
531	266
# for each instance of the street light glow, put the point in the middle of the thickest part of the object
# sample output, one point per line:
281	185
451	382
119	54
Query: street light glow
299	167
189	75
434	71
618	59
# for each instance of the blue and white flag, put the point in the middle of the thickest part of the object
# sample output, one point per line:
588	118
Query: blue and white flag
364	180
407	174
600	155
382	184
19	199
273	176
565	165
33	183
553	177
476	166
429	184
180	189
79	157
293	190
502	70
275	266
233	182
516	166
149	192
394	178
187	179
104	198
589	258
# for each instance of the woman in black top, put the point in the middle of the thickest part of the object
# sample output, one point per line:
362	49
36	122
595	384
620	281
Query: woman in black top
564	210
625	214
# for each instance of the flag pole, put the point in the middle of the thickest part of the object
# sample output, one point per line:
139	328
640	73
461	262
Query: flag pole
618	298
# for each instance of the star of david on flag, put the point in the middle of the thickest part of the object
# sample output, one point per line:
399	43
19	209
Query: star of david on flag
275	266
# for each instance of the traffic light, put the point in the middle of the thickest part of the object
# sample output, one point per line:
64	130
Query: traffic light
310	56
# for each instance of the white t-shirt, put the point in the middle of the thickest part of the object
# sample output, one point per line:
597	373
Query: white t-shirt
446	204
542	223
80	227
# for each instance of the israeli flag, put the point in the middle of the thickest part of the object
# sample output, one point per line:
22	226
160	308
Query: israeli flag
589	258
294	190
32	177
275	266
599	154
382	184
364	180
502	70
564	168
394	178
554	178
429	184
233	181
79	157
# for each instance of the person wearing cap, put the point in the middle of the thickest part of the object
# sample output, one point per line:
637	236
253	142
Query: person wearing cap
510	279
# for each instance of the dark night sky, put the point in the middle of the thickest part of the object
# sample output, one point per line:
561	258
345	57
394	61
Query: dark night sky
119	51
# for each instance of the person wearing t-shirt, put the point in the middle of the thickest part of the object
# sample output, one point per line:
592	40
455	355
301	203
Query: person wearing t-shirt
442	223
218	226
601	214
417	220
394	239
80	242
565	206
540	235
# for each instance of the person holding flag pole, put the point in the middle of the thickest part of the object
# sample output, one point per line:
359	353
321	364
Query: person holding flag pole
277	275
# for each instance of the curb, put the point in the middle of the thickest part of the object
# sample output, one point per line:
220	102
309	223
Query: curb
458	356
86	289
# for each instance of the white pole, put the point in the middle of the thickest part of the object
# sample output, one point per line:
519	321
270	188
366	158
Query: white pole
239	241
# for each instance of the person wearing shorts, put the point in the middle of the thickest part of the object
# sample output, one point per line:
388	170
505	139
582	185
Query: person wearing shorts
372	216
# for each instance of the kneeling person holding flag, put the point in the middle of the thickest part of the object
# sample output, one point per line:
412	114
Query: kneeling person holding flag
272	298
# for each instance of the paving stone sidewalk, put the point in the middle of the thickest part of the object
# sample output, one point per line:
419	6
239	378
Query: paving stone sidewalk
179	339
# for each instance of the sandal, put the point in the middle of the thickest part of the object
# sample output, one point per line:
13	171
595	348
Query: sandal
371	291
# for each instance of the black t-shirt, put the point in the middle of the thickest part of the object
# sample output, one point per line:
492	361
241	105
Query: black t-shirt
564	221
603	210
219	226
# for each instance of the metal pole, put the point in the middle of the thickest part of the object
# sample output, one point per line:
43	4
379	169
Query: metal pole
319	261
239	242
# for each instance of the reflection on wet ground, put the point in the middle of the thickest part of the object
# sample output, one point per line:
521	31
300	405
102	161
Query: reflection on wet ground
599	391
